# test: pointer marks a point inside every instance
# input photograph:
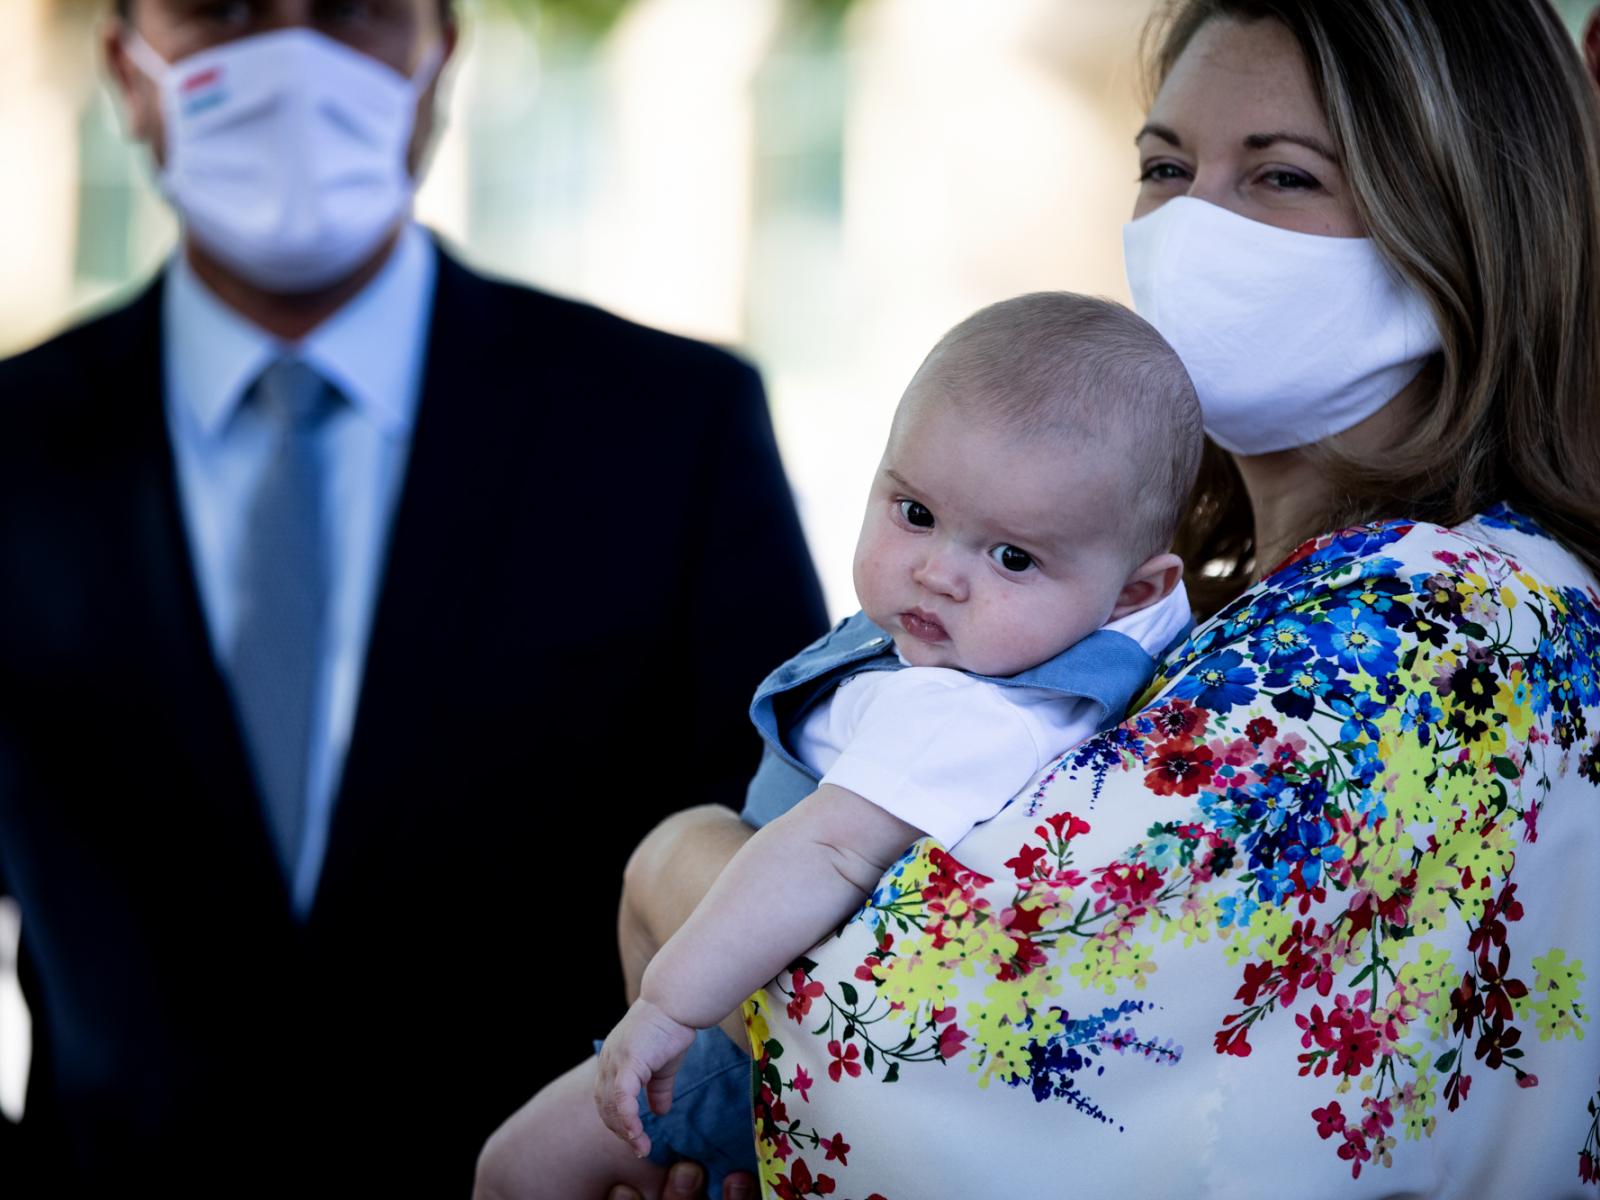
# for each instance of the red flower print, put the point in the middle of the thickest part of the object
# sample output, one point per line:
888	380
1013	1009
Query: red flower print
803	994
844	1060
1498	1037
836	1147
1345	1036
1021	921
1256	976
1258	731
943	1016
952	1041
1066	826
1233	1041
1355	1151
798	1183
1024	958
802	1084
1329	1120
1127	883
1456	1089
1180	721
1026	861
1586	1167
1180	769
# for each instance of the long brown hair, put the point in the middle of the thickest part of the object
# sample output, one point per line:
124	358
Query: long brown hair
1470	136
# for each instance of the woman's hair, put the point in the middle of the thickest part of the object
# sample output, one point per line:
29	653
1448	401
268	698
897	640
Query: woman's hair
1470	137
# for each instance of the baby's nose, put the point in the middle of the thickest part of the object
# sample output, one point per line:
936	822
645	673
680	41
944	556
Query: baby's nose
941	574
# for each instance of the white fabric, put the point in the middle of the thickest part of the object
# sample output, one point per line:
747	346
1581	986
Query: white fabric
944	751
1289	337
286	152
372	350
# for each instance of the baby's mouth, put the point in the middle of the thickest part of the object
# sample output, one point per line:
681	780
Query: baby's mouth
923	626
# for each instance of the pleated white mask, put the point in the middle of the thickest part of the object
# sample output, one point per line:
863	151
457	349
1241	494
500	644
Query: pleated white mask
1289	337
286	152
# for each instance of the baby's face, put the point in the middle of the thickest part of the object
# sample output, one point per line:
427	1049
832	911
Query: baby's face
987	552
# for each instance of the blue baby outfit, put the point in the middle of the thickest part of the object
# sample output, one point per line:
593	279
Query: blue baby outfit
710	1117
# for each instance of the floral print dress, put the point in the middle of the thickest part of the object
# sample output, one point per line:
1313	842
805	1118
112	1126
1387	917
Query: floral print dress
1322	918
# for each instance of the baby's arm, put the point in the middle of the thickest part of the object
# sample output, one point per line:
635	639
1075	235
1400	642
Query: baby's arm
791	885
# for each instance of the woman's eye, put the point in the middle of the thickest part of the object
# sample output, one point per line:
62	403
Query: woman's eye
1011	558
1290	181
916	514
1162	172
226	12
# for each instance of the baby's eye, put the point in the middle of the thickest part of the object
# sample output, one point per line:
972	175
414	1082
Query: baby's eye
916	514
1011	558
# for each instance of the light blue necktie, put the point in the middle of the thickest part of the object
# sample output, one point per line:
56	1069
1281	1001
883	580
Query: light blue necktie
283	600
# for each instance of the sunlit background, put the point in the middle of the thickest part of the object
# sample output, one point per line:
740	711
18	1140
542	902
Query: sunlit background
823	185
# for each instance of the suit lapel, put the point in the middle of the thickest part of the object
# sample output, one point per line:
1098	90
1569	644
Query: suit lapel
462	452
165	618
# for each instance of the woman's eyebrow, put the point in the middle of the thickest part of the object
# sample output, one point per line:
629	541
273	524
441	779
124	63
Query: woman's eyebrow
1252	141
1260	141
1160	131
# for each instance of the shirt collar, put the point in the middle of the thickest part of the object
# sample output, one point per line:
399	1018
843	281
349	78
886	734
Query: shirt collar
213	354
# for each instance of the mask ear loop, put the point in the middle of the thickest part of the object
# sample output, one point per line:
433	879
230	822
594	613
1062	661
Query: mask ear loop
154	67
428	68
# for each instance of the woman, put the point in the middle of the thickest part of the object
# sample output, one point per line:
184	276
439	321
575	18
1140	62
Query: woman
1320	918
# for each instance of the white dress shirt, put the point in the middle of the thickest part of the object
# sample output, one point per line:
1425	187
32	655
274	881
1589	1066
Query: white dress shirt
372	351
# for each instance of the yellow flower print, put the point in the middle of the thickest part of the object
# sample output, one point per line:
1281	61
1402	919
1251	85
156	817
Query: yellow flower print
1555	983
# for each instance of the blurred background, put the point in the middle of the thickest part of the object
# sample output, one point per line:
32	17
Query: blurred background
823	185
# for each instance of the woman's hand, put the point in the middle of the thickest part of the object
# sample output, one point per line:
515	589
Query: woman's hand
687	1181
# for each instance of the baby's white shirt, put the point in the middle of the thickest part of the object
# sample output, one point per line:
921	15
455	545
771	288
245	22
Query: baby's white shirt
945	751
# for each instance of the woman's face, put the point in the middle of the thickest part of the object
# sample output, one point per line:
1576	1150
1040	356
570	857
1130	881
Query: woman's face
1238	125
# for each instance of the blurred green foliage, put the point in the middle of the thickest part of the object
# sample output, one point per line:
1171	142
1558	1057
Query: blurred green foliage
592	18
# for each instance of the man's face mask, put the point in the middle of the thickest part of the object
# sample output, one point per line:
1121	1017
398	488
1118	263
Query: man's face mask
286	152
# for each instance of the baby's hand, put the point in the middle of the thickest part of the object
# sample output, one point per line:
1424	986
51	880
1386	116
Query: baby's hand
645	1050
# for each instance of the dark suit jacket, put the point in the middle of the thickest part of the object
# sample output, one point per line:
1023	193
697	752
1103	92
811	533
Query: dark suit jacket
595	558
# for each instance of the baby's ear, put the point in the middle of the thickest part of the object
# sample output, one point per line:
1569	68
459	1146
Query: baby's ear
1151	581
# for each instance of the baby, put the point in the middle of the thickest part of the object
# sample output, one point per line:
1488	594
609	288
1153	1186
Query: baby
1035	472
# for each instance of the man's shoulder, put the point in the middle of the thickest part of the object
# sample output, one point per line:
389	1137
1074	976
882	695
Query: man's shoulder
53	384
522	319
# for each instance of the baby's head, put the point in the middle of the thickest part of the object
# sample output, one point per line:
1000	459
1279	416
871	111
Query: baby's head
1034	476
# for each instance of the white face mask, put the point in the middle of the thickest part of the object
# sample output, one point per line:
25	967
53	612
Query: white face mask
286	153
1289	337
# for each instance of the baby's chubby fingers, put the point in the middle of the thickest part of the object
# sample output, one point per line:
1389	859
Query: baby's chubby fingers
616	1096
645	1050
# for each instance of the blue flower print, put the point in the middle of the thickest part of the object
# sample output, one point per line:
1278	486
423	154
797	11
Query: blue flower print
1357	640
1299	686
1218	682
1361	713
1503	516
1420	713
1275	882
1313	850
1236	910
1282	641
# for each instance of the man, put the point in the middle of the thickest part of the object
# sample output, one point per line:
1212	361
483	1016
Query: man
327	567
